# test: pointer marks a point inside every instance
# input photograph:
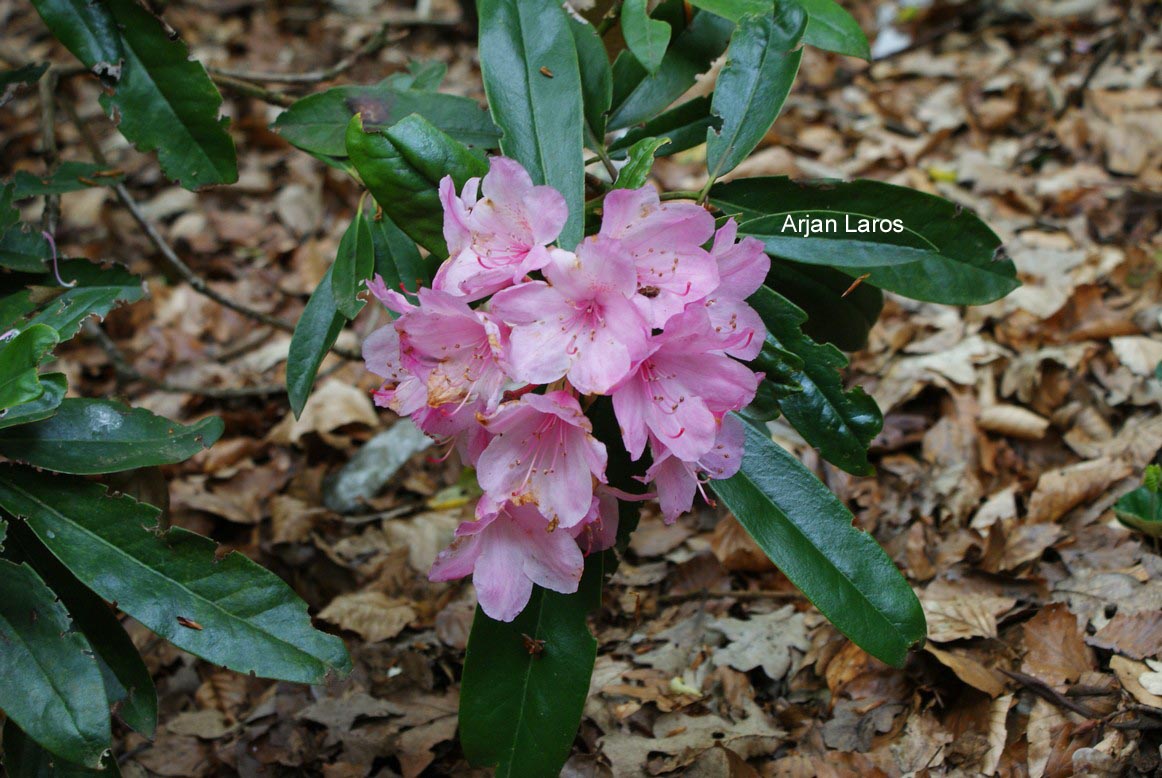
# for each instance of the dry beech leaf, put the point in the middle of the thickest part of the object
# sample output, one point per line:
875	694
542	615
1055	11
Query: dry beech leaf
969	670
971	616
372	615
1059	491
1056	650
767	641
332	405
736	549
1013	421
1129	673
1136	635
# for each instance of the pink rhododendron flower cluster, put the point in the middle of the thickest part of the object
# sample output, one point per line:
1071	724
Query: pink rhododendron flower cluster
515	336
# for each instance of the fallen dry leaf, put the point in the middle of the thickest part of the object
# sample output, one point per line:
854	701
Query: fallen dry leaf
372	615
1059	491
1057	652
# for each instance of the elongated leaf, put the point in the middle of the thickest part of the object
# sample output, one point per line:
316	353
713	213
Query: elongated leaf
402	167
639	96
839	423
19	358
641	160
165	102
54	386
88	30
832	28
596	77
49	684
88	436
318	123
836	313
685	126
96	291
759	72
354	264
734	9
315	333
24	75
808	533
128	685
70	176
398	260
529	63
646	38
23	758
519	709
958	259
228	611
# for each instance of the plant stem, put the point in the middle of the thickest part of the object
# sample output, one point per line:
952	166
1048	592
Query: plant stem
680	194
610	17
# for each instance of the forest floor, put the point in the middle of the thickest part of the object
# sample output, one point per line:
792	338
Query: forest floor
1010	429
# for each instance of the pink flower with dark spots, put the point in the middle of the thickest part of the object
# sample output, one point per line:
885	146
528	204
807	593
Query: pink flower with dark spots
664	241
402	392
579	324
681	389
543	452
497	239
676	481
508	550
742	269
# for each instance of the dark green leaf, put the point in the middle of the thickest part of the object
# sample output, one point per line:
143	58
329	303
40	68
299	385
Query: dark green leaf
636	171
128	686
23	758
1141	510
596	78
97	290
318	123
26	74
759	72
529	62
959	261
734	9
421	76
354	263
839	423
402	167
808	533
23	250
836	312
9	215
685	126
519	710
398	260
88	30
645	38
19	359
832	28
315	333
229	611
50	685
68	177
88	436
639	96
54	385
165	102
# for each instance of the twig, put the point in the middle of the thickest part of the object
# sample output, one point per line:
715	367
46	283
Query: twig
1049	694
1077	96
610	17
251	89
371	46
52	202
170	256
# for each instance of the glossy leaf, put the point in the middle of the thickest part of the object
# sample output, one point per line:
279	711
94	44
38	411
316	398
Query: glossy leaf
734	9
596	77
832	28
836	312
839	423
23	249
88	30
637	168
19	360
128	685
398	260
1141	510
519	707
50	685
808	533
529	62
685	126
96	291
639	96
54	386
165	102
70	176
645	38
228	610
354	264
402	167
957	258
318	123
317	330
90	436
23	758
754	83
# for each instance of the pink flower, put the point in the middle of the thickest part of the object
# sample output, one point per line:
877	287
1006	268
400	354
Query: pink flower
402	392
742	269
580	324
496	240
664	240
544	453
506	551
676	480
681	389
